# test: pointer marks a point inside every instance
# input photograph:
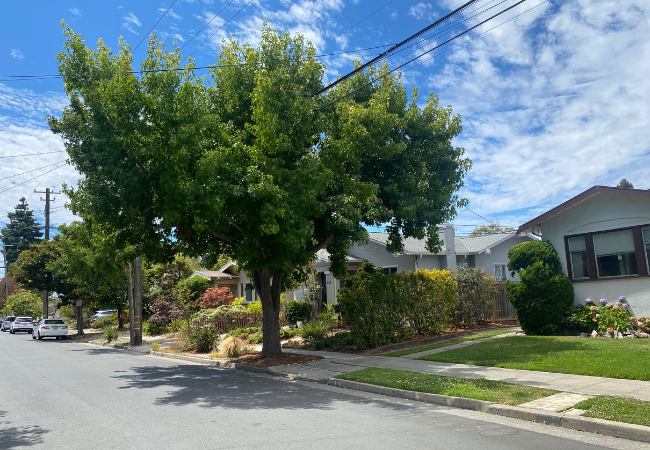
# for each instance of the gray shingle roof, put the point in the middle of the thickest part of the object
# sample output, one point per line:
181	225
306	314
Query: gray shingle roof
464	245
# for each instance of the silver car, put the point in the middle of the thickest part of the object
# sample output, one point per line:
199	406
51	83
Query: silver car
22	324
6	324
55	328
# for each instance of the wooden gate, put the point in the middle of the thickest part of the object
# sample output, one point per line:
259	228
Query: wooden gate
503	309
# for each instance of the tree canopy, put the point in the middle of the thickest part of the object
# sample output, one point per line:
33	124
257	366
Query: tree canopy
250	164
21	231
625	184
491	228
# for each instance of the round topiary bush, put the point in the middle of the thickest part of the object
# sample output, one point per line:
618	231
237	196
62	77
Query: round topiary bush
296	311
545	294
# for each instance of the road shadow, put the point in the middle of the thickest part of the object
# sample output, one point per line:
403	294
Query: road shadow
14	437
212	387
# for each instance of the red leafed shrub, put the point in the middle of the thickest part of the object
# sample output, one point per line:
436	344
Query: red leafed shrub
215	297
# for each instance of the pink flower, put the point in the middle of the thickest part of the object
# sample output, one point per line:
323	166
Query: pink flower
639	324
589	300
610	330
632	319
593	308
597	316
616	307
609	306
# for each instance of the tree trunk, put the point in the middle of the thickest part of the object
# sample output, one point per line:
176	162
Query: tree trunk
129	294
269	289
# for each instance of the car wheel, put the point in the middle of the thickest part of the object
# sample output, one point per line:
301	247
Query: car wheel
40	338
57	338
33	336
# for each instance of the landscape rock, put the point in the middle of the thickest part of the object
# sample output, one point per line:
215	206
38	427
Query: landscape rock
641	335
629	336
594	333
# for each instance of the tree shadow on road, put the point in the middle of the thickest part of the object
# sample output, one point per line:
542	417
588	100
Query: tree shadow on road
13	437
211	387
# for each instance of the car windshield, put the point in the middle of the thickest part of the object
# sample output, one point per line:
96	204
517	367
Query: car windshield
10	319
54	322
24	319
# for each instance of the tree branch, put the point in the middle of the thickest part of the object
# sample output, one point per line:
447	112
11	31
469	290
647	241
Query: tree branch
222	236
322	244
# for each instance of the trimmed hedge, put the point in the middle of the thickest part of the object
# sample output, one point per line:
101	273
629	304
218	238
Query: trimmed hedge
383	308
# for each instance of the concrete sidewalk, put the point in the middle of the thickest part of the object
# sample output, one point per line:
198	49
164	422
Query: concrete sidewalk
334	364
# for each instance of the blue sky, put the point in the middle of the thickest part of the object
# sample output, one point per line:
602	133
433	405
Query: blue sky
553	102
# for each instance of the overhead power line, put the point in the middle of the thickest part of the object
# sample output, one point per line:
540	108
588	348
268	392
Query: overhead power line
31	154
175	69
427	52
23	173
152	28
209	22
396	46
37	176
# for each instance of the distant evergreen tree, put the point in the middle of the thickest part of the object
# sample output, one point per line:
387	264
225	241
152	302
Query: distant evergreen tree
625	184
492	228
21	231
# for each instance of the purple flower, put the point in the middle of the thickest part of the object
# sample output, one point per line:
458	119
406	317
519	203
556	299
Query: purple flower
625	305
580	305
622	298
589	300
617	304
603	301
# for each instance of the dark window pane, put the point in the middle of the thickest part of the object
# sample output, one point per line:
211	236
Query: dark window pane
617	265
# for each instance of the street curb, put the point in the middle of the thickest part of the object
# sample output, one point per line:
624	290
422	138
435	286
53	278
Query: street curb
631	432
590	425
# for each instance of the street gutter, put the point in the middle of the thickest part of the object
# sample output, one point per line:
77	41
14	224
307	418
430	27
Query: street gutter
631	432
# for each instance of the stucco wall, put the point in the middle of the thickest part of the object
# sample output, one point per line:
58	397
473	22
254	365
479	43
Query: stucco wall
431	262
499	255
602	212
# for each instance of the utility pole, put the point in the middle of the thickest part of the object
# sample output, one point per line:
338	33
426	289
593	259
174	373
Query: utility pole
47	199
6	267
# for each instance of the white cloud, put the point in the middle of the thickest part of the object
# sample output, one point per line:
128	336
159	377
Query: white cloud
553	103
15	53
131	20
170	13
421	11
76	12
394	15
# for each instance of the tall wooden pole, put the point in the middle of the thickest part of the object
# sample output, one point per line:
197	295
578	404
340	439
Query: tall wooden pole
48	200
129	287
137	302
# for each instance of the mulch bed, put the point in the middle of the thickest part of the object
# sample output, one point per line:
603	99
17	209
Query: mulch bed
279	360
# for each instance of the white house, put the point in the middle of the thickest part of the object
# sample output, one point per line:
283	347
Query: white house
489	252
603	238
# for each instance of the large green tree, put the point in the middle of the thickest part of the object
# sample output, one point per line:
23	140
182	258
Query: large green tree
250	164
21	231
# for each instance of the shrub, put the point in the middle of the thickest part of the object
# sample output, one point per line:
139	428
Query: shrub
221	311
296	311
182	344
177	325
233	347
25	303
152	329
314	330
204	339
163	313
524	255
476	293
106	321
243	332
155	346
329	315
601	316
111	333
257	337
68	311
215	297
542	298
337	342
383	308
255	307
238	301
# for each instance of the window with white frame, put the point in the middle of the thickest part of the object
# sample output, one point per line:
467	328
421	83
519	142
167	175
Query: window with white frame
390	270
249	292
615	253
500	272
578	253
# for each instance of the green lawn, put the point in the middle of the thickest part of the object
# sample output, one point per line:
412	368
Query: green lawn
424	348
615	358
493	391
618	409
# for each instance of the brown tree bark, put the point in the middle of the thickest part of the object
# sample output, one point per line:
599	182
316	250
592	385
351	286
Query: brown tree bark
269	288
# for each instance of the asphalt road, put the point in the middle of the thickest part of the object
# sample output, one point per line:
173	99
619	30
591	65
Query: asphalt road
57	394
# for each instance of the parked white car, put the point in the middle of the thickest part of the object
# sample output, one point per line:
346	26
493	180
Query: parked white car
6	324
22	324
102	313
55	328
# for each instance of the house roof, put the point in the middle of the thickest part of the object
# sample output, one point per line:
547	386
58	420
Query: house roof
465	245
324	256
210	274
595	190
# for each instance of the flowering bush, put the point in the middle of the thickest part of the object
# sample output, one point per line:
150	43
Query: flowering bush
603	316
163	313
